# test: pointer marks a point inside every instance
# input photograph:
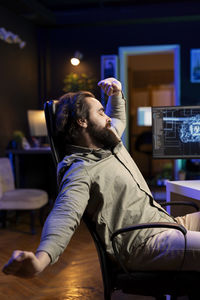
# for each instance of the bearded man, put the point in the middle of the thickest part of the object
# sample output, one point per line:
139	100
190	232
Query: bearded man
99	178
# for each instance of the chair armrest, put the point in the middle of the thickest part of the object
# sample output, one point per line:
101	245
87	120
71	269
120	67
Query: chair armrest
149	225
186	203
143	226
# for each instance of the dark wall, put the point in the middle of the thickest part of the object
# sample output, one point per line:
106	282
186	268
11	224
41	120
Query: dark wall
95	40
19	77
31	75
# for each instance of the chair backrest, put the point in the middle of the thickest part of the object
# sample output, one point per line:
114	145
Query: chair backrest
50	111
6	175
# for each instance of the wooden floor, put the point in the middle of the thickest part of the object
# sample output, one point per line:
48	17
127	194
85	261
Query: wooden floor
76	276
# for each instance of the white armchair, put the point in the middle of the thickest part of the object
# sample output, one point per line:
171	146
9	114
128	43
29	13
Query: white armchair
19	199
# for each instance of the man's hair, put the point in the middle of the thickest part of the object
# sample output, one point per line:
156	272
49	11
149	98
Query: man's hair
70	108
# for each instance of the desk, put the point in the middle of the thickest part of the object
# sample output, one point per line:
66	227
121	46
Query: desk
34	168
15	154
184	188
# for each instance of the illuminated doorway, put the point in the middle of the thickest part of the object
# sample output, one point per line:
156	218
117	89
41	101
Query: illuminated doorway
133	56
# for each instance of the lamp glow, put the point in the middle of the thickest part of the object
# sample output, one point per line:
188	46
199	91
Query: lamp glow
37	124
75	61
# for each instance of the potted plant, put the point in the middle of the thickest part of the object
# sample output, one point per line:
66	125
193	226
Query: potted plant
74	82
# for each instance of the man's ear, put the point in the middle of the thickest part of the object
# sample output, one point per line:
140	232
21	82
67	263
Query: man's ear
82	122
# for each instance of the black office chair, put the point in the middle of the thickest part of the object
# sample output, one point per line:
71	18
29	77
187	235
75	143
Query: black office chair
115	276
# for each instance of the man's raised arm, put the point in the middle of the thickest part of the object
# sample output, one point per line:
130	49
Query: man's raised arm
115	107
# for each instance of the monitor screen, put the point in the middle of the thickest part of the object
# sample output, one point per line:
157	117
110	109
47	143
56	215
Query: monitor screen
176	132
144	116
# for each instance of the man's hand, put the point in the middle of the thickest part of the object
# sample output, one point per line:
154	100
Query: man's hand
110	86
26	264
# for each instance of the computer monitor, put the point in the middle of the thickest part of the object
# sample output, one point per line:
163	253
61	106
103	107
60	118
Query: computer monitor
144	116
176	132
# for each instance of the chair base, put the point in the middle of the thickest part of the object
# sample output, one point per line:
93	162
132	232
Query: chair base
160	283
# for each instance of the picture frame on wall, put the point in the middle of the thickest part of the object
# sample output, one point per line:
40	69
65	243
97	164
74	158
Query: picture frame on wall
195	65
109	68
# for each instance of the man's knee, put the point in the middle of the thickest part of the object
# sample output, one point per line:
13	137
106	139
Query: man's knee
190	221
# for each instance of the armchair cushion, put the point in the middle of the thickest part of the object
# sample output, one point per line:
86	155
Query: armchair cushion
23	199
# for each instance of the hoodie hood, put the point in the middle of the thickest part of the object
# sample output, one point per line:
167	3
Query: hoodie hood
77	153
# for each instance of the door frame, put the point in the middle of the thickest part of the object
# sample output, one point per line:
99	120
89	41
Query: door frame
124	52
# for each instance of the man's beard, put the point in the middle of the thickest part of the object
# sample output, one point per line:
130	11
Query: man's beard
104	136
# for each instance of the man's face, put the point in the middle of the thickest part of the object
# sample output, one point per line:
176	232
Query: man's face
99	125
